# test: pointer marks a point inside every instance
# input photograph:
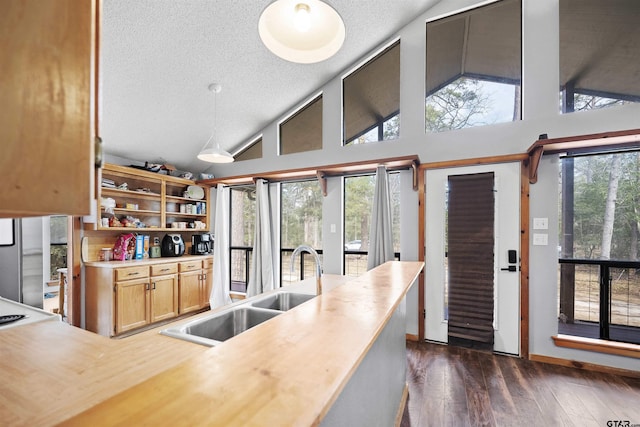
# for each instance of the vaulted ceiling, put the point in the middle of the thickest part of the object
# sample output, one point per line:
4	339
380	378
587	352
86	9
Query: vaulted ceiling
157	58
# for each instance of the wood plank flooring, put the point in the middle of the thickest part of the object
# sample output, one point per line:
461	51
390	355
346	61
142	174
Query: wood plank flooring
453	386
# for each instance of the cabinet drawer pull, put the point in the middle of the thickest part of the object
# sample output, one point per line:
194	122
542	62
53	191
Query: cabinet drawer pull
135	273
165	269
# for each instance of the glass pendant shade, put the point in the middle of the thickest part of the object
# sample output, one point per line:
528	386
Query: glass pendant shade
302	31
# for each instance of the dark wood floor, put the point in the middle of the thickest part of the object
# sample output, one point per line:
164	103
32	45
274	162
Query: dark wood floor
452	386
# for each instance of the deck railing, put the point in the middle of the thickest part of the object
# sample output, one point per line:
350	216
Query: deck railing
600	299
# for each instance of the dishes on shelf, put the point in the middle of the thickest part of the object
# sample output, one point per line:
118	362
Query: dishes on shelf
194	192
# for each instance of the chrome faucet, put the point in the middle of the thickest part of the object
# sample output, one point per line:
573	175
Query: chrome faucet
309	249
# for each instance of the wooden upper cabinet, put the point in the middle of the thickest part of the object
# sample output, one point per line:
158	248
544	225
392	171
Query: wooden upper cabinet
47	126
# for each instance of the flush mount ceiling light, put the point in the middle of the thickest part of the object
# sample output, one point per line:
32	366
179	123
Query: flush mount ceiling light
302	31
214	154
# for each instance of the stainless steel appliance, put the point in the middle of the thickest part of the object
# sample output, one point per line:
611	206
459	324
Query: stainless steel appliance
201	244
172	245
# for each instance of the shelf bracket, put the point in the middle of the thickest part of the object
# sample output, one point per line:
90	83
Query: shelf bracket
415	169
322	180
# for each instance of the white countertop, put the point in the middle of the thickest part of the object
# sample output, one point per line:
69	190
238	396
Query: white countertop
33	314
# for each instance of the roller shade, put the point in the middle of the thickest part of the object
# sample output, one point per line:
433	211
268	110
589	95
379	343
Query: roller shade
470	257
303	131
483	42
372	92
600	46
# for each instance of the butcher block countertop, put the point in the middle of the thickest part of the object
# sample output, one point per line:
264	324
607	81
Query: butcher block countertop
287	371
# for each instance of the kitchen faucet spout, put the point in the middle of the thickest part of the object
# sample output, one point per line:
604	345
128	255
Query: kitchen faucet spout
310	250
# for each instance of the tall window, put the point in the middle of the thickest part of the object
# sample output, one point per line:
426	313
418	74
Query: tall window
599	288
599	64
300	224
474	68
372	99
358	204
243	220
303	131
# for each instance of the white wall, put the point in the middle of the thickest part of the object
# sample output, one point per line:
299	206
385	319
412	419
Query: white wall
540	115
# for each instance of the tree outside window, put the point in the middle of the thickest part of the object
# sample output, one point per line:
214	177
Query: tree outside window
300	224
358	204
243	220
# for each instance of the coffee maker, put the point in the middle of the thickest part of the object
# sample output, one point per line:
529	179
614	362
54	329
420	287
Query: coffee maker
201	244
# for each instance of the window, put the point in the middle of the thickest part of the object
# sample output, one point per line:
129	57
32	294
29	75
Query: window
243	214
372	99
474	68
58	245
599	277
300	224
599	65
303	131
358	204
252	151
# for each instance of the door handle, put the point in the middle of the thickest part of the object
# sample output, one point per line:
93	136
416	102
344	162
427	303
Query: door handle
510	268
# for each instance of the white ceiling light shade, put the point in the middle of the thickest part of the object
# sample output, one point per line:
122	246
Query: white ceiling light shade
213	153
302	31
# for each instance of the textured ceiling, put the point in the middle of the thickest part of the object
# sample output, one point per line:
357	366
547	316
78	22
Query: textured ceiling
158	57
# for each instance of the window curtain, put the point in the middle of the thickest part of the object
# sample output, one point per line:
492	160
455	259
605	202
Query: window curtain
380	235
221	263
261	277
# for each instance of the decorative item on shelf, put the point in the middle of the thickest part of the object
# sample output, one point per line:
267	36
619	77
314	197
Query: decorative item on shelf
186	175
305	31
214	154
123	186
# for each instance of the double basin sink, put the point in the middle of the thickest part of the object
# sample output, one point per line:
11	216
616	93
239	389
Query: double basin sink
222	325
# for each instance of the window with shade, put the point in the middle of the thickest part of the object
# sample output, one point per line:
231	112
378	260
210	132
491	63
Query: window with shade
371	97
252	151
303	130
474	71
599	65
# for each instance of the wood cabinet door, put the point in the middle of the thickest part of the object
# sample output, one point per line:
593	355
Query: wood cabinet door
190	291
47	52
164	297
132	304
207	283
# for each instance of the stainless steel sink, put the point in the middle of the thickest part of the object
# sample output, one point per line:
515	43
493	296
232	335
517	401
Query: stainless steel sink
282	301
221	326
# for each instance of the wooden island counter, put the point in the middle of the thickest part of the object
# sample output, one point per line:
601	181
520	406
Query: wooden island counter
333	360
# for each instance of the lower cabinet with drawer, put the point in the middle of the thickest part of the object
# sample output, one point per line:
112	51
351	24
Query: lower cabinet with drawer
119	299
195	286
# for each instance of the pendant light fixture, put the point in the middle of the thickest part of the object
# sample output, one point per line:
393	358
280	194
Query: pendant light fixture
302	31
213	153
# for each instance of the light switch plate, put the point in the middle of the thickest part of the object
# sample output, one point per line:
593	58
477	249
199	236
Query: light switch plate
333	228
540	223
540	239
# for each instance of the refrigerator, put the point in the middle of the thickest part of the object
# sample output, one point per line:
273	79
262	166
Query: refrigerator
21	260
